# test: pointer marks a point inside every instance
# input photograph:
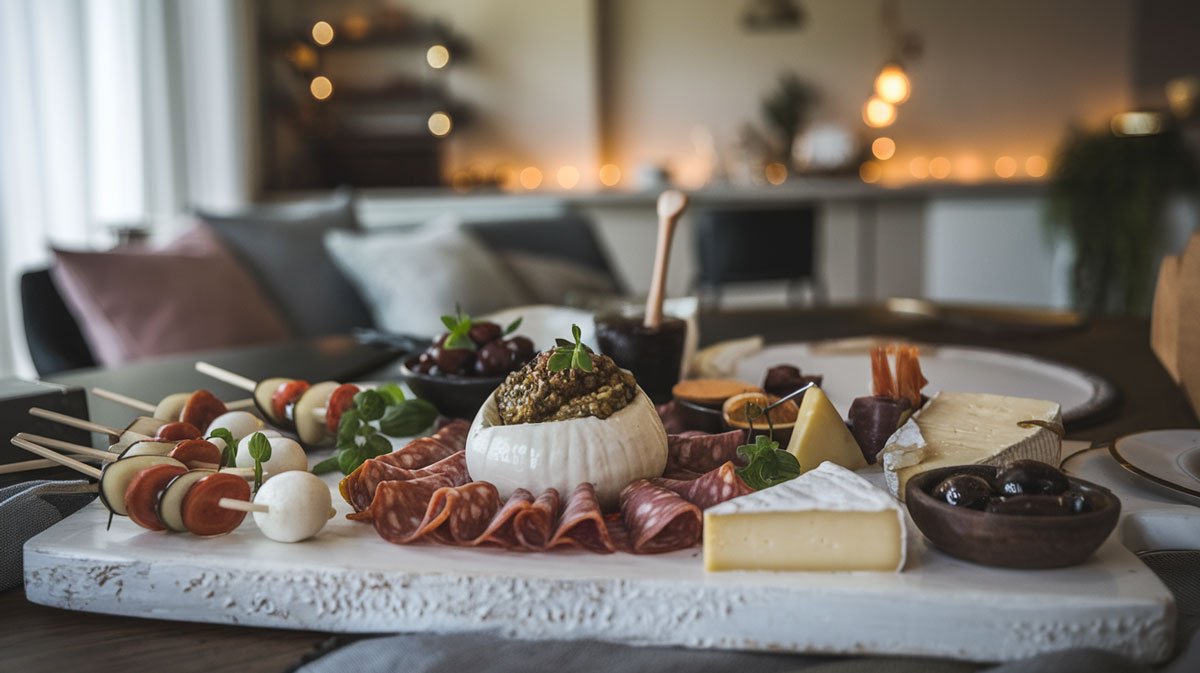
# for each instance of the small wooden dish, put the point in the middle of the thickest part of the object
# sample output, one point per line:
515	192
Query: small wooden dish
781	430
1008	540
699	401
454	396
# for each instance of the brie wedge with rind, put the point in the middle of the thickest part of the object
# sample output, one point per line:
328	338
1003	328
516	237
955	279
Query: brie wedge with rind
827	519
971	429
609	453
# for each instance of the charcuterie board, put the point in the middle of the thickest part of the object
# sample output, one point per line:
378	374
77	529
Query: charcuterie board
350	580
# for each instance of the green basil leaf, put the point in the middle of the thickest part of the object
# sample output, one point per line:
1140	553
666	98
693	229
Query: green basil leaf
450	323
766	464
326	466
391	392
560	361
582	360
513	326
575	332
458	341
408	418
563	343
370	405
377	445
260	447
348	429
229	452
350	459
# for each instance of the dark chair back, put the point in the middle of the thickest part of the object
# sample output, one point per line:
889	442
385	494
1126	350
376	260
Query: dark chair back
748	245
55	342
569	238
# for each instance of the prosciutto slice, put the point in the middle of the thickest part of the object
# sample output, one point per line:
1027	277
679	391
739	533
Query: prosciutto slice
359	487
701	452
533	525
712	488
658	519
582	525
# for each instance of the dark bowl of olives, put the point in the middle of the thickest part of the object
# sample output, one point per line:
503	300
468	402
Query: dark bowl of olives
457	373
1023	515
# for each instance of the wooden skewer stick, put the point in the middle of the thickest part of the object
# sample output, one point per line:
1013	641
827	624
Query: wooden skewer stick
67	461
237	405
77	449
148	408
27	465
235	380
670	206
74	422
242	505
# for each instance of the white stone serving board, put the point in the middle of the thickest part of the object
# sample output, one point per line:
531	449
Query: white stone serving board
349	580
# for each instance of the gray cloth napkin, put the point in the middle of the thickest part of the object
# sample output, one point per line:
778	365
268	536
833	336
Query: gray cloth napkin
486	653
29	508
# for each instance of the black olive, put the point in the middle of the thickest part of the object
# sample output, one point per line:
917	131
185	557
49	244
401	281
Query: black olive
493	359
454	360
1031	477
1079	502
1030	505
484	332
521	349
782	380
964	490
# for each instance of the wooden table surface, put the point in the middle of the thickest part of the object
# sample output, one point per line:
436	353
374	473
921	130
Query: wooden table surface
37	638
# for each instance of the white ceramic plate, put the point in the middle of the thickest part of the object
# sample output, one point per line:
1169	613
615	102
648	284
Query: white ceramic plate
846	366
1168	459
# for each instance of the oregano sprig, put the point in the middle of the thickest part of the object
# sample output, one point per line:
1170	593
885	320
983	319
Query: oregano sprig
766	464
568	355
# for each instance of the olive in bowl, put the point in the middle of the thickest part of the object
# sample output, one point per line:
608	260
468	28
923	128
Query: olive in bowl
1026	531
454	395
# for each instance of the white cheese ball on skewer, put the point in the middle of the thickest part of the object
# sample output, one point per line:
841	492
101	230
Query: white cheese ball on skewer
286	455
238	423
298	503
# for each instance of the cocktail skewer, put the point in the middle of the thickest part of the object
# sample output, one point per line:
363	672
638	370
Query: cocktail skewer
142	427
67	461
146	407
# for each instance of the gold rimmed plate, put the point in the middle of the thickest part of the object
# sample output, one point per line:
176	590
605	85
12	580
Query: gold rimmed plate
1167	459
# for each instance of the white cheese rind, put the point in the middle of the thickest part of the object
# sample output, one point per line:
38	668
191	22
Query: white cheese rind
828	488
970	429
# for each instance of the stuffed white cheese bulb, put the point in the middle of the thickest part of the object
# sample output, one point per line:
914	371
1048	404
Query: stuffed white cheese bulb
630	444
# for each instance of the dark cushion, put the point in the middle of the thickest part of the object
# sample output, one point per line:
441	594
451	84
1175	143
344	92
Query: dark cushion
55	342
755	244
283	246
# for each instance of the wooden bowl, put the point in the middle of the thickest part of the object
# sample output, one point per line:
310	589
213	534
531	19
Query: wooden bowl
1008	540
454	396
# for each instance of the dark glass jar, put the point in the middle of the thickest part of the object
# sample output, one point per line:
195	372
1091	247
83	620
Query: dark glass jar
653	355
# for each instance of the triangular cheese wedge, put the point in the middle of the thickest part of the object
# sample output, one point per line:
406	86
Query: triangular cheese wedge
820	434
826	519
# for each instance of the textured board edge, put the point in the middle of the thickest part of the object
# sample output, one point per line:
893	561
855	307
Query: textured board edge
638	612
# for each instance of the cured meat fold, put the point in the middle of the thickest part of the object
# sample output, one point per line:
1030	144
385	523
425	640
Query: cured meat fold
712	488
658	519
699	452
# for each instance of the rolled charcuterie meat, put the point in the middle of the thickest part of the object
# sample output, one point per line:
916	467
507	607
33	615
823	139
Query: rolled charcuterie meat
701	452
711	488
658	519
582	525
534	525
462	515
398	508
358	488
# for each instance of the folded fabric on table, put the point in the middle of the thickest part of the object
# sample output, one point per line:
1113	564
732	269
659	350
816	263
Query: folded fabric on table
29	508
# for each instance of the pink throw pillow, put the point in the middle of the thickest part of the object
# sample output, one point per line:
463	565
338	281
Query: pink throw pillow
133	303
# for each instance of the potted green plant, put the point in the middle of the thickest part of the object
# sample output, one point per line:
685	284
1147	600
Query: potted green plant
1106	198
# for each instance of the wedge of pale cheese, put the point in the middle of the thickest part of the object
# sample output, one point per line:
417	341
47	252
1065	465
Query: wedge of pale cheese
827	519
821	434
971	429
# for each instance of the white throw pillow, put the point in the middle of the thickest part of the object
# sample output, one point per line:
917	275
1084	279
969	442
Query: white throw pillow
413	277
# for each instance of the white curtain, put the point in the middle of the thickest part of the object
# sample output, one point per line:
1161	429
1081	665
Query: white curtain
115	112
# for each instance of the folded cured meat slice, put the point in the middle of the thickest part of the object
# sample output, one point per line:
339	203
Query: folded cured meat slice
582	525
711	488
533	525
399	508
454	434
359	487
418	453
658	519
460	515
701	452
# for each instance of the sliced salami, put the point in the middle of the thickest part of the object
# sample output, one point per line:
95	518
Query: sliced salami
458	515
419	453
582	525
701	452
534	525
398	509
499	531
359	487
659	519
673	421
711	488
454	434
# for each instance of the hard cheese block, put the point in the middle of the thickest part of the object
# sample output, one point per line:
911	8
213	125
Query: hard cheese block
820	434
826	519
971	429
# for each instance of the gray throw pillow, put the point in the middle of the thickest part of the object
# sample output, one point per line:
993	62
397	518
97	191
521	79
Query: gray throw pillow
284	248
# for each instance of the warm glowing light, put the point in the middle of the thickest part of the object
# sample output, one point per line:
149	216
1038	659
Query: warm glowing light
440	124
883	148
1006	167
506	177
919	167
303	57
1182	94
437	56
1137	123
776	173
870	171
610	175
461	181
531	178
322	33
320	87
939	168
1036	166
968	168
568	177
892	84
355	26
878	113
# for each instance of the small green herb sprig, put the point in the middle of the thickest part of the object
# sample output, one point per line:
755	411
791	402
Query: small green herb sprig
766	464
460	325
260	451
568	355
376	412
229	451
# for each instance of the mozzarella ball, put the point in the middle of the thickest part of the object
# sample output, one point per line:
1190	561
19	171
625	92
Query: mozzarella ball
286	455
238	423
299	505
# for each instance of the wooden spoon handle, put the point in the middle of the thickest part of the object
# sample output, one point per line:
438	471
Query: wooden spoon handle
670	208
